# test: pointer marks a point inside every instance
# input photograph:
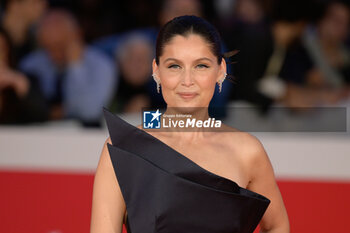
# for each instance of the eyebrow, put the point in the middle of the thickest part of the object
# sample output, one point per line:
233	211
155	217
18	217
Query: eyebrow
174	59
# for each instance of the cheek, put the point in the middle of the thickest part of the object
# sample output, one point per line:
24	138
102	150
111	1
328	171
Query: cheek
168	87
207	88
169	80
206	82
170	83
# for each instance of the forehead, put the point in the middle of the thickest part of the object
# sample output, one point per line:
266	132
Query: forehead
187	47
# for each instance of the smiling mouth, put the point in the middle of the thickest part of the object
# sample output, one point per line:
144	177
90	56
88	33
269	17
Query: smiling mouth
187	95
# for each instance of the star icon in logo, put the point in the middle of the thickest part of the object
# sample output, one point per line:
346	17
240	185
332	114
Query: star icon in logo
156	115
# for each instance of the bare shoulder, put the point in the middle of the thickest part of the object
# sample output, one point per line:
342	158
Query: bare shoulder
248	145
104	156
108	140
249	151
104	166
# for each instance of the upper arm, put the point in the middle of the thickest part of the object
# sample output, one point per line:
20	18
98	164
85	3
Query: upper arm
262	181
108	206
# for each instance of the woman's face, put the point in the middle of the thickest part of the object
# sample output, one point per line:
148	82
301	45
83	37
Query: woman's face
188	72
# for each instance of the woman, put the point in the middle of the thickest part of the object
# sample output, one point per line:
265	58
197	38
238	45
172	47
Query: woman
21	100
176	181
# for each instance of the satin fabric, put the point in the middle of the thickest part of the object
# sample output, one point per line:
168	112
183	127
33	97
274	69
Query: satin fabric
166	192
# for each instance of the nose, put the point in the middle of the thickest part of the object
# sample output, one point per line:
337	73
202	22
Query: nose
187	79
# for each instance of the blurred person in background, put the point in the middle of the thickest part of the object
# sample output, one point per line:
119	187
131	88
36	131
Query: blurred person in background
77	80
320	65
133	57
173	8
249	11
241	20
240	16
262	56
19	19
168	9
21	100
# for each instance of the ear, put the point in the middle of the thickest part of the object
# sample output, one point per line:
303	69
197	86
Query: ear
155	68
222	70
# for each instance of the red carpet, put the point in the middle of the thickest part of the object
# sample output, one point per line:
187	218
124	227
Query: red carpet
38	202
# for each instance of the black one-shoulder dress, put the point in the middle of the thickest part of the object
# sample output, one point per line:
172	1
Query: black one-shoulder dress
166	192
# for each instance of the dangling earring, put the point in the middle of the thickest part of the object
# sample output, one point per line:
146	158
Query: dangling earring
220	82
158	85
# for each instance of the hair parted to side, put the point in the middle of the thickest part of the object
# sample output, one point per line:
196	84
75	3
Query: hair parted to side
189	24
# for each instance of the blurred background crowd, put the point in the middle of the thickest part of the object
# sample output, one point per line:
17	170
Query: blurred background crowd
62	59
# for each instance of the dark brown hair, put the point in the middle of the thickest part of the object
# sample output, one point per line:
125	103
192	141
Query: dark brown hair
184	26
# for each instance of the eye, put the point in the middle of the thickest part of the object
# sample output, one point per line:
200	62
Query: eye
201	66
174	66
